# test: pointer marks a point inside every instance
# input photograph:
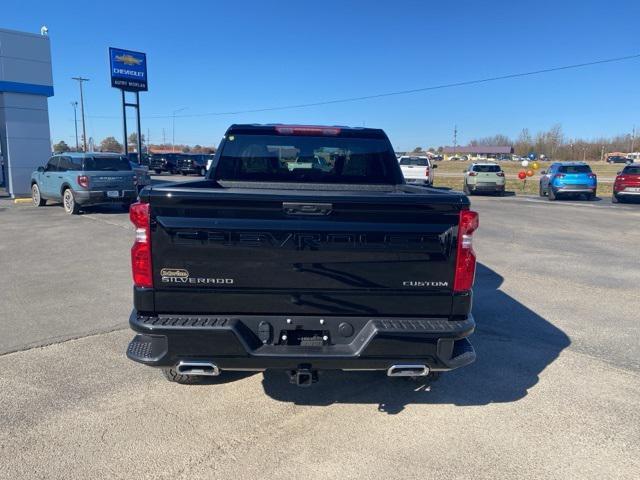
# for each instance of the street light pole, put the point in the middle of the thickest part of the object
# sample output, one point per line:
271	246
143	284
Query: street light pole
75	121
80	81
173	128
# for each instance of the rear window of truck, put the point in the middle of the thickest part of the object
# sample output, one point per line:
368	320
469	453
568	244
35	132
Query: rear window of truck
418	162
306	159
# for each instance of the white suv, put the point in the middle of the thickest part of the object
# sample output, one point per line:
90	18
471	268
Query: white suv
417	169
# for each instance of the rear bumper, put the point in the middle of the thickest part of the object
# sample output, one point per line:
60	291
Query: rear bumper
575	188
192	169
623	193
232	343
99	197
486	188
418	181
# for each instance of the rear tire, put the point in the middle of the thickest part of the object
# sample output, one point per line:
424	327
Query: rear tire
38	201
184	174
203	172
69	202
540	191
173	376
615	199
158	172
551	194
465	189
591	196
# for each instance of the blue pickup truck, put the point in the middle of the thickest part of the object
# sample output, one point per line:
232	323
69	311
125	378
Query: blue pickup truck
85	179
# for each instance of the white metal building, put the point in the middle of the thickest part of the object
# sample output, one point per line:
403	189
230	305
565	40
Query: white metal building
26	83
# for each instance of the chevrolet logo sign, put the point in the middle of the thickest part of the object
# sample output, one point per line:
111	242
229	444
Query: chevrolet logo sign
128	59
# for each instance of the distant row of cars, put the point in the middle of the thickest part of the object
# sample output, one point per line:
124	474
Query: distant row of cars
562	179
175	162
183	163
576	178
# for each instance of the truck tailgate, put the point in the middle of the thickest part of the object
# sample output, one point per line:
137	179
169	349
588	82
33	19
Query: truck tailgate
303	252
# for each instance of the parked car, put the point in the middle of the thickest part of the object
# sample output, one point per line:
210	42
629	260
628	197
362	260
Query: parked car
483	177
133	157
260	266
568	178
627	184
142	175
618	159
84	179
417	170
164	162
192	163
210	158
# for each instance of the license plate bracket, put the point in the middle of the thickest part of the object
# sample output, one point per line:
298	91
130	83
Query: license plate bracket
306	338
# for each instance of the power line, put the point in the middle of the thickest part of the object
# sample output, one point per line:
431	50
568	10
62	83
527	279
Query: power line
402	92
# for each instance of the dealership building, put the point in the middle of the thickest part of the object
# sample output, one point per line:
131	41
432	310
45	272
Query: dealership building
26	83
478	152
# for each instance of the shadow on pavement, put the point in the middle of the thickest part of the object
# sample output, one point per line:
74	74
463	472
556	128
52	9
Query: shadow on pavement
513	343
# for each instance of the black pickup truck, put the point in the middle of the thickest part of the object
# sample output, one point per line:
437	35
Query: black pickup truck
302	250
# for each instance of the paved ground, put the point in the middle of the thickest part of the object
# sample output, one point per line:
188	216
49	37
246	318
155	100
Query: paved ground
555	392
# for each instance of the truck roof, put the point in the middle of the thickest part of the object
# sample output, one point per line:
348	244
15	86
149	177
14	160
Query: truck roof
286	129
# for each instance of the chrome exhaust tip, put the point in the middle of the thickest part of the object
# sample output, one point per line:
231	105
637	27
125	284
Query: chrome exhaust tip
408	371
196	368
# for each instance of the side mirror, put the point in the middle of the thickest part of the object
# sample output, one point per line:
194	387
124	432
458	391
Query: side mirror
543	172
618	173
40	169
434	166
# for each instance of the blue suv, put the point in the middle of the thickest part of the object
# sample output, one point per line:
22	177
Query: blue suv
85	179
568	178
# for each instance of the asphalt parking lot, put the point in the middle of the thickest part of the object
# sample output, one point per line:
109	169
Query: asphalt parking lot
555	392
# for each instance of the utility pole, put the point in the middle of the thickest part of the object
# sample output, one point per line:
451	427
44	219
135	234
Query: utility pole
75	121
602	154
164	137
455	140
80	81
633	139
173	128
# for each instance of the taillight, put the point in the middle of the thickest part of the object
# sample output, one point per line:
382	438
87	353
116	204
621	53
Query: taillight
466	259
83	181
592	175
426	172
306	130
500	174
141	251
560	175
472	174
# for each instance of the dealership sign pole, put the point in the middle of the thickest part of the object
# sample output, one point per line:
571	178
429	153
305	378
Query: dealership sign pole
129	74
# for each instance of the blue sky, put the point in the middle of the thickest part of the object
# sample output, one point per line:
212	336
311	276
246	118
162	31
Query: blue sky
214	56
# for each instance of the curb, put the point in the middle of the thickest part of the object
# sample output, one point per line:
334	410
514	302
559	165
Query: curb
21	200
